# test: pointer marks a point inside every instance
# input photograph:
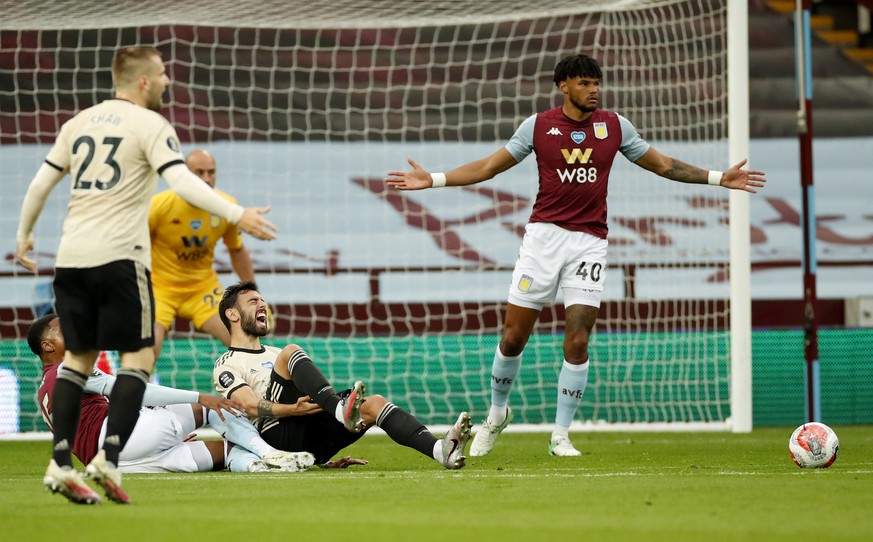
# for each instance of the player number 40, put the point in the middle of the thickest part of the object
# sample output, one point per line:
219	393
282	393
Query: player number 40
594	270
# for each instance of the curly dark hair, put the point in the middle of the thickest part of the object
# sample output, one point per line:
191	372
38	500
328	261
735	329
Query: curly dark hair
37	331
577	66
231	294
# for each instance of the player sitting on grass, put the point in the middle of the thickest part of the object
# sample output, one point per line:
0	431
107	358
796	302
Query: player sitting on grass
293	405
158	442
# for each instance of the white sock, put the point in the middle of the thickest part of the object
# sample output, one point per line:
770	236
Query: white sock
504	371
238	459
497	414
571	385
438	451
559	431
240	431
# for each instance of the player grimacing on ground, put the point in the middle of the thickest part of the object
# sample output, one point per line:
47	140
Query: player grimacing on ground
294	406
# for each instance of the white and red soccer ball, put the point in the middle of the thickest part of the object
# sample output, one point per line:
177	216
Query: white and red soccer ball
814	445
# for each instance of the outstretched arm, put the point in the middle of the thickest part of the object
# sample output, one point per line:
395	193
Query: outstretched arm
677	170
262	408
193	190
471	173
157	395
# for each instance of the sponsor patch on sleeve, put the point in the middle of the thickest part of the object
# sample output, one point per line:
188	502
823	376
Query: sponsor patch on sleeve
225	379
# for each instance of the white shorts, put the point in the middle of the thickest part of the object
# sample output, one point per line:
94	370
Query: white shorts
551	256
156	444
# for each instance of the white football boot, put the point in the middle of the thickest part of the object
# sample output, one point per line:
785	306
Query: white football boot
69	483
562	447
455	441
289	461
108	477
483	442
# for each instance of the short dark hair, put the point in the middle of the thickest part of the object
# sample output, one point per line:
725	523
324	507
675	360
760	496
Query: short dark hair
231	294
37	332
577	66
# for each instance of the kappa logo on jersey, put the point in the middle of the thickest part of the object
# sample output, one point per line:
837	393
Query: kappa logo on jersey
196	224
554	131
576	155
225	379
577	137
600	131
525	282
173	143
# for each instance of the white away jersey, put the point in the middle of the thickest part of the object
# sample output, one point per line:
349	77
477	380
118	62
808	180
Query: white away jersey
114	152
240	367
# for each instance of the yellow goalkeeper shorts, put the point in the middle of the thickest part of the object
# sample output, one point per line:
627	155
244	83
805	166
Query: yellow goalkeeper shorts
197	304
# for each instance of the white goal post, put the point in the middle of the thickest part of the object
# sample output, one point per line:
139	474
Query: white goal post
307	105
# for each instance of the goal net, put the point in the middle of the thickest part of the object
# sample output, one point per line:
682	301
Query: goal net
307	105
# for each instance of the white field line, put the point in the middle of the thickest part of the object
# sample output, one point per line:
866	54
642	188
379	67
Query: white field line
439	429
427	474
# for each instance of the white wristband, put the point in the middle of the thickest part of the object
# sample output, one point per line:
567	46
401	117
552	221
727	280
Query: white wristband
439	180
714	178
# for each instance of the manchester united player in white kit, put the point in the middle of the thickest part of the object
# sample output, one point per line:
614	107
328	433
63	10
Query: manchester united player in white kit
114	152
565	240
294	406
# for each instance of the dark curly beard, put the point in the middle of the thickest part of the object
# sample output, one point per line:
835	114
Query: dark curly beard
251	326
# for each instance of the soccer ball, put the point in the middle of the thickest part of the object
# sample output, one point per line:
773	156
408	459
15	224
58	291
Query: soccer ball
814	445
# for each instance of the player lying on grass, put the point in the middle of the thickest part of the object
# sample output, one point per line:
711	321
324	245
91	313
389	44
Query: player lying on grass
158	442
294	406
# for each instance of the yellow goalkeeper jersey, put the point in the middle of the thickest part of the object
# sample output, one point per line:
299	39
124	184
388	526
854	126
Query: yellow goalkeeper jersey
184	238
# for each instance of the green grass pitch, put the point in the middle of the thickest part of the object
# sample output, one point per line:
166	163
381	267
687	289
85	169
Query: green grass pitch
626	486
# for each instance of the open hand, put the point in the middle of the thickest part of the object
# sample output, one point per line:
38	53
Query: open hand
740	179
257	226
343	463
417	179
220	405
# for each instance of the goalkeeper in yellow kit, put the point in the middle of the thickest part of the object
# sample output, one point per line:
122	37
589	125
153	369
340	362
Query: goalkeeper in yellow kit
183	251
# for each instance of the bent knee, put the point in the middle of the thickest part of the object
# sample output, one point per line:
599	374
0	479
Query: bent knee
372	406
290	349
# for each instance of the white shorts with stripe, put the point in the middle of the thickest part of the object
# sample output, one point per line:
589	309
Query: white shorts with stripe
157	443
551	256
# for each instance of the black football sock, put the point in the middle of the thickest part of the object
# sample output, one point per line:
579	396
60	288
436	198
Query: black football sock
124	405
405	429
66	407
310	380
